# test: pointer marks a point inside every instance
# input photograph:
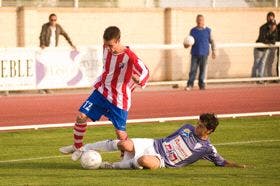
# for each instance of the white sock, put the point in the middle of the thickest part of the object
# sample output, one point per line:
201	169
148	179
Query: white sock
125	164
107	145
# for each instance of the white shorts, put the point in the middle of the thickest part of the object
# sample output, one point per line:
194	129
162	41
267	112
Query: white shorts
143	146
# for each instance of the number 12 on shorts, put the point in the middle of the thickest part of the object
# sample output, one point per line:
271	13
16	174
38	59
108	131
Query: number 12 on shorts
87	105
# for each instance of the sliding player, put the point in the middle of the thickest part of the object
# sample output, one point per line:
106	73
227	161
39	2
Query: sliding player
122	71
185	146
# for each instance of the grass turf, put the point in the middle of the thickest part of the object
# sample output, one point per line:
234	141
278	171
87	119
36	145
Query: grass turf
263	157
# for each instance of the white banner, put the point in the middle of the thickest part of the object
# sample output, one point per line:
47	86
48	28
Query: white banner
17	69
62	68
23	69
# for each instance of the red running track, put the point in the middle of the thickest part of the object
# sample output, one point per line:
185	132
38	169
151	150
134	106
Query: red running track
46	109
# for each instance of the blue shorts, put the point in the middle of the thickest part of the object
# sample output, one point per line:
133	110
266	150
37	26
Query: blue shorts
97	105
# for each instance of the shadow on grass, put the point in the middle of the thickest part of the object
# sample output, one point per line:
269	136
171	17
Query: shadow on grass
73	165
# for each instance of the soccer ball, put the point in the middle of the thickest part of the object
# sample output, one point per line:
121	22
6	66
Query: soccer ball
189	40
91	159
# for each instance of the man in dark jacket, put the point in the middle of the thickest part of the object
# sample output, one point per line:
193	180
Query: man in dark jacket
278	39
50	33
267	35
49	38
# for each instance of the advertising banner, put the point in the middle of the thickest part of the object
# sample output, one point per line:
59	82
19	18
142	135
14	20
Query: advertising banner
51	68
17	69
62	68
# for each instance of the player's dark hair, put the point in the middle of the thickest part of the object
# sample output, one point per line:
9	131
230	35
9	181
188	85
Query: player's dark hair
209	120
53	14
112	32
270	14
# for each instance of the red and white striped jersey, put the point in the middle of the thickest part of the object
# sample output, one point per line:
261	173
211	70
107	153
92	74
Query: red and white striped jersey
115	83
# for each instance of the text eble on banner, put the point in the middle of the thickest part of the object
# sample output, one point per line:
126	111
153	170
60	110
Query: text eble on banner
17	69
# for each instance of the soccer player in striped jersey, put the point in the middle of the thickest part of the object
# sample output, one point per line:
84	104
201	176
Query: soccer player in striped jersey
185	146
122	72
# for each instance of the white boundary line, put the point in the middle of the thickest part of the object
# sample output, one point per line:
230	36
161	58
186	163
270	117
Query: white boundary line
30	159
218	144
245	142
229	80
145	120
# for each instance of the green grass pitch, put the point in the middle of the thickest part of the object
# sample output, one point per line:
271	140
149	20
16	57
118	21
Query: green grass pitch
38	162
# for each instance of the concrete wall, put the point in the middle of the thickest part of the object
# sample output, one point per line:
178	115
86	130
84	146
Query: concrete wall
8	25
85	26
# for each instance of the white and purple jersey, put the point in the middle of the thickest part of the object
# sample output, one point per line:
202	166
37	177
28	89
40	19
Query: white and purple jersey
183	147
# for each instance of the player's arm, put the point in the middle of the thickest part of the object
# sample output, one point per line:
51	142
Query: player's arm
135	79
218	160
140	72
233	164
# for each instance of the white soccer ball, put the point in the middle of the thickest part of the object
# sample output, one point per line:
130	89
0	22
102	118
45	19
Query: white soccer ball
91	159
189	40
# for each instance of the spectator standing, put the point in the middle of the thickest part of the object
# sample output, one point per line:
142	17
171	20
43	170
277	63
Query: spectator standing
278	39
267	35
270	18
50	35
199	52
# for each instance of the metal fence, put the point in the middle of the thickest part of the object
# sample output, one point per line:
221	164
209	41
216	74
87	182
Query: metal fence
140	3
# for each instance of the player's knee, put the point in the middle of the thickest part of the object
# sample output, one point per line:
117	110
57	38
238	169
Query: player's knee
144	162
148	163
126	145
81	118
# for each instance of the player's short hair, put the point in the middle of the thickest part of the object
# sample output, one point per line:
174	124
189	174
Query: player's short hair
53	14
112	32
270	14
209	120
